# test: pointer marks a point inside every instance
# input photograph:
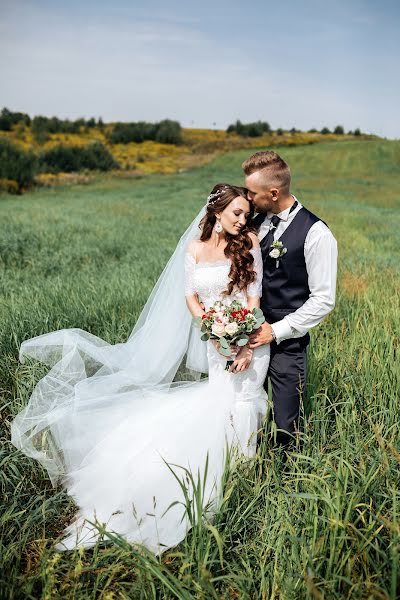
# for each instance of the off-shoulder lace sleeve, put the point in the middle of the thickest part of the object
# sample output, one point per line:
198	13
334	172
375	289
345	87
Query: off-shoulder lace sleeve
190	263
255	288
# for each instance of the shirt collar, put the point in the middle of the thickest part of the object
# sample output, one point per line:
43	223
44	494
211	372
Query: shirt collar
284	215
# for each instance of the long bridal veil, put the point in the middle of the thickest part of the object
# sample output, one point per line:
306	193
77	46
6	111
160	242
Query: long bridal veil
87	372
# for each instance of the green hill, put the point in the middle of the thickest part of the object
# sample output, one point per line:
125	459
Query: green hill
326	524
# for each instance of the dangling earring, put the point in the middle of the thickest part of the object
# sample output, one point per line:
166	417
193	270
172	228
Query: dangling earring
218	227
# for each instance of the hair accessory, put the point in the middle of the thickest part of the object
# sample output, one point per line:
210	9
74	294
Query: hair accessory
212	198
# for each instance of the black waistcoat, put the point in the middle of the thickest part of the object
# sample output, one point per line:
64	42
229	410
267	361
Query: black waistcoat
285	288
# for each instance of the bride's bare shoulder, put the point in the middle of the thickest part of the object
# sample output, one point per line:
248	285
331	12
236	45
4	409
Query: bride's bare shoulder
254	239
193	247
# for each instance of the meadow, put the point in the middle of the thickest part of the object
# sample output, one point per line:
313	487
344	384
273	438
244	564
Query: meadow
323	525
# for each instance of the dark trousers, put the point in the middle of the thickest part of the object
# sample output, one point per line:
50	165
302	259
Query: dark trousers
287	373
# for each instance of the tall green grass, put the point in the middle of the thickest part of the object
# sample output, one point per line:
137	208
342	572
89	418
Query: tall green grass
324	524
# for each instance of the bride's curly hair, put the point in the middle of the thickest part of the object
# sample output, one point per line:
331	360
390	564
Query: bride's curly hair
238	246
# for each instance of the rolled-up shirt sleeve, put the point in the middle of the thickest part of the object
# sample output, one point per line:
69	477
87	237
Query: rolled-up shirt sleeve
320	253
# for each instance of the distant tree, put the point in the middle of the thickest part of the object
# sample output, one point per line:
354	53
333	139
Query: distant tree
125	133
339	130
75	158
6	120
98	157
78	123
169	132
313	130
279	131
255	129
100	123
9	118
40	129
90	123
236	127
16	164
20	130
357	131
165	132
325	130
293	130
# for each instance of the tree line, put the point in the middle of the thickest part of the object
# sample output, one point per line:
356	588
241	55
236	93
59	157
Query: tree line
258	128
166	131
18	167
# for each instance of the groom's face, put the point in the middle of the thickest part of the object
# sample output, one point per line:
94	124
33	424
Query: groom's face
260	194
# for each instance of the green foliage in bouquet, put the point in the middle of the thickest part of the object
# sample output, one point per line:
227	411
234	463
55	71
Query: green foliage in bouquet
230	324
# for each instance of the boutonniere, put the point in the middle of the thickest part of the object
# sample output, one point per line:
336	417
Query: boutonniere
277	251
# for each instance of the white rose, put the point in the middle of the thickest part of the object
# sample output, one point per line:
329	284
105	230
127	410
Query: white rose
231	328
275	253
218	328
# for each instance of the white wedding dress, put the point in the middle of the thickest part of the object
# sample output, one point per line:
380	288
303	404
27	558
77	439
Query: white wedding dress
108	435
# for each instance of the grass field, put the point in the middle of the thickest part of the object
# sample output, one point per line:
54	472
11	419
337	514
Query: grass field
327	524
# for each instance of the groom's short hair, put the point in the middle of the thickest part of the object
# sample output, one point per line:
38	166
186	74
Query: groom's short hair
274	170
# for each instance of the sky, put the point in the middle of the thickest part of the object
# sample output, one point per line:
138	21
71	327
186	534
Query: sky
303	64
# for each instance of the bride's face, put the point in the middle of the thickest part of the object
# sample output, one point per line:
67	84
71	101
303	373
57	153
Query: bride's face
233	218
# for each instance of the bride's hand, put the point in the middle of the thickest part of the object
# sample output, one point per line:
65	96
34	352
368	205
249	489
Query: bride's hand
242	360
216	345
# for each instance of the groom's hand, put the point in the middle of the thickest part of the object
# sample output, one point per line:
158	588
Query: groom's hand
262	336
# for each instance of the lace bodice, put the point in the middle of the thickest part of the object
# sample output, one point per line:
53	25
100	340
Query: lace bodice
210	279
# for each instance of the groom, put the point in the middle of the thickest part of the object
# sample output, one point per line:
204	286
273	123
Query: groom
299	282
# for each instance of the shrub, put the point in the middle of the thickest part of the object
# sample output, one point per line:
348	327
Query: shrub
165	132
125	133
339	130
61	158
325	130
168	132
357	131
43	126
9	185
8	119
16	164
255	129
98	157
75	158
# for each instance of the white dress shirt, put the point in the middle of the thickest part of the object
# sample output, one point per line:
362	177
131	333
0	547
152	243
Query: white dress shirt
320	253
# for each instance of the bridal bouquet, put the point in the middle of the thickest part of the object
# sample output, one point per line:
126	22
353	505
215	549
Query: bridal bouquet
230	324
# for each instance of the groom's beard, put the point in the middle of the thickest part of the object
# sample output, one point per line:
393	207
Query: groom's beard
261	210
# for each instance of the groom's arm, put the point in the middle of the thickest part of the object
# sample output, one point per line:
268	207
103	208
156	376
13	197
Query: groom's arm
320	253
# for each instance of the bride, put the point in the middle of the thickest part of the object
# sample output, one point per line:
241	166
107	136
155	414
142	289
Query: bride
122	426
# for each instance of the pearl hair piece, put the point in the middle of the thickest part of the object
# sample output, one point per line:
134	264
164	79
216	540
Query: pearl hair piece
212	198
